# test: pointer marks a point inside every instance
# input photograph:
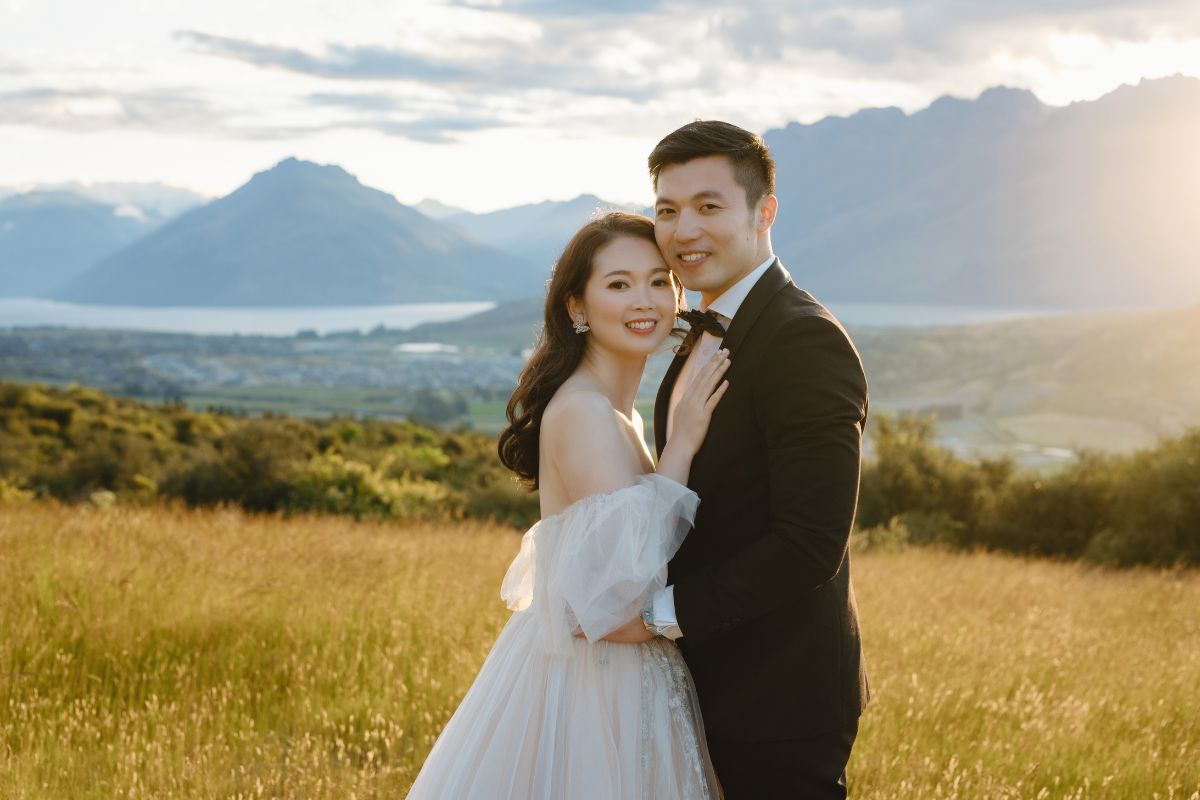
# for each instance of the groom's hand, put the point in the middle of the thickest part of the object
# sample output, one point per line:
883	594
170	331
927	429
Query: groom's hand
632	632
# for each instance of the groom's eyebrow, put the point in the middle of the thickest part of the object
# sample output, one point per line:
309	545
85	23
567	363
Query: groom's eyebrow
707	194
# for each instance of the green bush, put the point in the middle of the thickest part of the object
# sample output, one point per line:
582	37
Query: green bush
76	444
1056	515
80	444
912	474
330	483
1156	508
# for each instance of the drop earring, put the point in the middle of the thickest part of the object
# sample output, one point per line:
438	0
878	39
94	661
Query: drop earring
581	325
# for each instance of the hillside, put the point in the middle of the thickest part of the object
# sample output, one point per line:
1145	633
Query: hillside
303	234
509	327
1113	380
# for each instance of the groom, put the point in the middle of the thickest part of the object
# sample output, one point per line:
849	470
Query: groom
759	595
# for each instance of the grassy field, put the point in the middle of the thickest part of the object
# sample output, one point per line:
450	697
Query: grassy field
168	654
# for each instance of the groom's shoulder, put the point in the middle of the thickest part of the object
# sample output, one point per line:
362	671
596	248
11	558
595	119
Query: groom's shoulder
796	308
798	326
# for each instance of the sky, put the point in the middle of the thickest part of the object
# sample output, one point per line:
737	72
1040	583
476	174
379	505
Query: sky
485	104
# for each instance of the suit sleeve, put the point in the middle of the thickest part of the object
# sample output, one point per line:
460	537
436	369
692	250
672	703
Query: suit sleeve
811	403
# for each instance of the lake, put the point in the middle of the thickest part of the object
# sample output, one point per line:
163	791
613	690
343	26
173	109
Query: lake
24	312
924	316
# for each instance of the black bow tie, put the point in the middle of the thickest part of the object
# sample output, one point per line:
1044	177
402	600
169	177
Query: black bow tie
702	321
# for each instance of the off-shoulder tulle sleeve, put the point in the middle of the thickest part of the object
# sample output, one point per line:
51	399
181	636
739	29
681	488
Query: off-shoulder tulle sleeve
594	566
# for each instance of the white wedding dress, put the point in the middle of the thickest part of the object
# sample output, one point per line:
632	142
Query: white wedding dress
552	716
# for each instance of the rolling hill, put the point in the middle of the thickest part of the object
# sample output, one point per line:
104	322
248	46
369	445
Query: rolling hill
1107	380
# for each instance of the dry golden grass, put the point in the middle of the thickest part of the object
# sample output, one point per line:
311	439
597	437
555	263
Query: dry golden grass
170	654
999	677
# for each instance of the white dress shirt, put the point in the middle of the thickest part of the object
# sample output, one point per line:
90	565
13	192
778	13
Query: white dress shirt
725	306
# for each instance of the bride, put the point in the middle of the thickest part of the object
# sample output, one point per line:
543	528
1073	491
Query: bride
573	701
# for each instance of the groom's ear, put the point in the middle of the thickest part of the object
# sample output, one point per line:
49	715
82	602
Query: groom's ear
764	214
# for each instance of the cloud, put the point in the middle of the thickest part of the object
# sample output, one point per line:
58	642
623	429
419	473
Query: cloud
653	50
884	32
396	116
340	61
628	67
574	66
170	111
570	65
567	8
431	130
89	109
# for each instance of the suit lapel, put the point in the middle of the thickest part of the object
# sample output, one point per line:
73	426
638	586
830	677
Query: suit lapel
662	402
774	279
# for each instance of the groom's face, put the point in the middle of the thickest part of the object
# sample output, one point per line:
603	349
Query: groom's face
709	235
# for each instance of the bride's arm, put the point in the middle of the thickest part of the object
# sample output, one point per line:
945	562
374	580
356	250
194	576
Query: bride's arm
589	453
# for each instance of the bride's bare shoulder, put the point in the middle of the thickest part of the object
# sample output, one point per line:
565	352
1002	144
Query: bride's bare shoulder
577	417
583	440
577	404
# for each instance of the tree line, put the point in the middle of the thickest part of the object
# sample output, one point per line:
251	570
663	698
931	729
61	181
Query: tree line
78	444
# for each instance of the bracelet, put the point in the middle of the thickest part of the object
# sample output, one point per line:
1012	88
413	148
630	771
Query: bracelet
648	619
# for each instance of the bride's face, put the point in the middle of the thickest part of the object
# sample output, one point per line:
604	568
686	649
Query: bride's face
629	299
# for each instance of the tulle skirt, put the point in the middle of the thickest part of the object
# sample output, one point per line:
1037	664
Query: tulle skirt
606	722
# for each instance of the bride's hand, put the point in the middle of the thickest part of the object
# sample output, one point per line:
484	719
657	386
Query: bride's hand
632	632
696	404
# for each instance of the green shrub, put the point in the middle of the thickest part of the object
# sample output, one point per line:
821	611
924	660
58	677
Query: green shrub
11	492
1055	515
1156	508
504	500
330	483
80	444
911	473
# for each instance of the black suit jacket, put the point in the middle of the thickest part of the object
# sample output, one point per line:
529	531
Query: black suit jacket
762	582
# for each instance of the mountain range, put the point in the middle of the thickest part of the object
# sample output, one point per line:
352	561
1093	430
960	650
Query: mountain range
536	232
1000	201
49	237
302	234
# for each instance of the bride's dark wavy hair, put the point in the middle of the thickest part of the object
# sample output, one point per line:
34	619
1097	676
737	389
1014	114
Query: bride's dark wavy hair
559	350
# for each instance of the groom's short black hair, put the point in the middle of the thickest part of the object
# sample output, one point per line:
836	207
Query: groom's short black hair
753	167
